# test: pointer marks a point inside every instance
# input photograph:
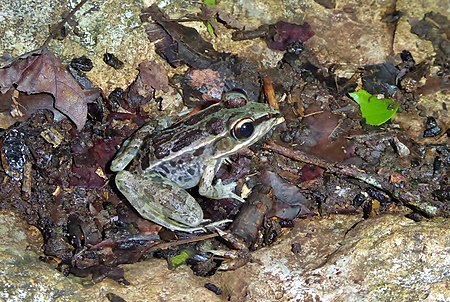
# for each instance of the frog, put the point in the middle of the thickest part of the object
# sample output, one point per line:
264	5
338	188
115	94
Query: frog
155	167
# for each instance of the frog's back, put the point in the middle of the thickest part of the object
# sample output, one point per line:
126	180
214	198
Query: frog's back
173	153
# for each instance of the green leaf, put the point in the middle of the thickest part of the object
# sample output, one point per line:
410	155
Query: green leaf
210	28
210	2
376	111
177	260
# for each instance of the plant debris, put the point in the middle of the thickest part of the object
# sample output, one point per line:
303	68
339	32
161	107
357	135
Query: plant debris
279	36
111	60
214	288
151	78
432	128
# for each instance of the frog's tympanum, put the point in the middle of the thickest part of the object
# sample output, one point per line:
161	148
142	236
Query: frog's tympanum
155	167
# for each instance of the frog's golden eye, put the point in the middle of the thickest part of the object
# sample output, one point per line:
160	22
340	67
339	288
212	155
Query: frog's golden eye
244	128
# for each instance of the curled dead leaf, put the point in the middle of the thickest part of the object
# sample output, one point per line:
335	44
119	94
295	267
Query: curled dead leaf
41	72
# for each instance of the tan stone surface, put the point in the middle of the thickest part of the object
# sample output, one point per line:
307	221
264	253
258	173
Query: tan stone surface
102	26
22	276
387	258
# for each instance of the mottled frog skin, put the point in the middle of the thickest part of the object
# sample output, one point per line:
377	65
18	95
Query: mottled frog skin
155	167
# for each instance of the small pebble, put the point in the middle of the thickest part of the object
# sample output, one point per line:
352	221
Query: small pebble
296	248
111	60
214	288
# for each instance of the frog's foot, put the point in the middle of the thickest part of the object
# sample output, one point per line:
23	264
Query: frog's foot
215	224
175	226
219	191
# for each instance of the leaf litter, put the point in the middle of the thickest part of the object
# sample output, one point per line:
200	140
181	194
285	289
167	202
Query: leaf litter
40	72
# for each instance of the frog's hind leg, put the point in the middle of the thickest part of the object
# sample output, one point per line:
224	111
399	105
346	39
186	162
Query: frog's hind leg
160	200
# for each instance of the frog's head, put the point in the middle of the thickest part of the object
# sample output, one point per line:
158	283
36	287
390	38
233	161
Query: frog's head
217	131
245	122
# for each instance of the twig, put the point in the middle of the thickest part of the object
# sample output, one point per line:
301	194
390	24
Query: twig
269	92
165	245
407	198
60	25
313	113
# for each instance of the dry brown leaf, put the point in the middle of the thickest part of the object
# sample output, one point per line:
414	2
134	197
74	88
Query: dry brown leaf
177	43
18	106
153	76
42	72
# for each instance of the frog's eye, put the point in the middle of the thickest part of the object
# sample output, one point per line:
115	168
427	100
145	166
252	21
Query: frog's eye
244	128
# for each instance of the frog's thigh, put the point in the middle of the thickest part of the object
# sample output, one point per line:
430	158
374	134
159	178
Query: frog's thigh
160	200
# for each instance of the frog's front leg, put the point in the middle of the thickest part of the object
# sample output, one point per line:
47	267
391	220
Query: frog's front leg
160	200
130	148
219	190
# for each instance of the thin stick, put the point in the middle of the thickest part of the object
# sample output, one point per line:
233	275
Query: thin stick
165	245
269	92
60	25
407	198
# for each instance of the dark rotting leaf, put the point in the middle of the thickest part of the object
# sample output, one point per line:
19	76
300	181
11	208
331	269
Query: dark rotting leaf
432	129
115	298
296	248
359	200
82	63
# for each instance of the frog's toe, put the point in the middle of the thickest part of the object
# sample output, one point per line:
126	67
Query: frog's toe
220	191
